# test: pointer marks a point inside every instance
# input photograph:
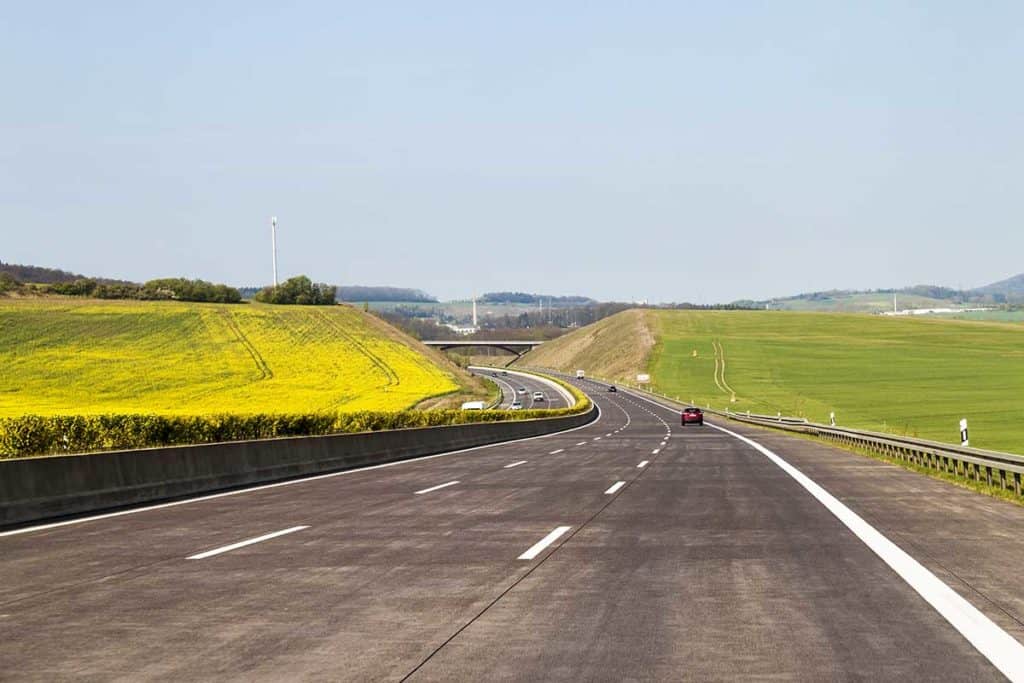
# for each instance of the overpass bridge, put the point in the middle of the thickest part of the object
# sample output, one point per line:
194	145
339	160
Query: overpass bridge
517	347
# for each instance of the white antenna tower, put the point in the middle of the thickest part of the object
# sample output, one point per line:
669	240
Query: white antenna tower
474	310
273	244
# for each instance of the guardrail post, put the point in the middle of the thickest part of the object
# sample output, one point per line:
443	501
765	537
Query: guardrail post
988	475
1016	483
1002	479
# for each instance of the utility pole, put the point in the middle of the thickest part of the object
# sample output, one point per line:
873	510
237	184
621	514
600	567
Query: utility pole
474	310
273	244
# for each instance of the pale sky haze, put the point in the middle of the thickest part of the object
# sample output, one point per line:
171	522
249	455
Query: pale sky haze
621	150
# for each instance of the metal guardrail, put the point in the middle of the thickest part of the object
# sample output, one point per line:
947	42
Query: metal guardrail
994	468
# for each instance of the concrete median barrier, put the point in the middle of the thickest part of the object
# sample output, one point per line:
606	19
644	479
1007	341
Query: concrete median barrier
42	488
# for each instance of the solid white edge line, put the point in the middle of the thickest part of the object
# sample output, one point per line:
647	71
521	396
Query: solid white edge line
514	464
1005	653
242	544
439	486
614	487
291	482
538	547
995	644
643	463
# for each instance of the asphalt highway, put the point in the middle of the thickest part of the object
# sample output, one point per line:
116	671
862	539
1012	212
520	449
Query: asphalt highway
629	549
510	385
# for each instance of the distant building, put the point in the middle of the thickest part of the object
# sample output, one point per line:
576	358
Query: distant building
929	311
464	330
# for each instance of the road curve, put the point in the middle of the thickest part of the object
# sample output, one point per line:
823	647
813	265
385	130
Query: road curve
511	383
631	548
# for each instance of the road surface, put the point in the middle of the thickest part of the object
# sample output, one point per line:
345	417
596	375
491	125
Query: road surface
629	549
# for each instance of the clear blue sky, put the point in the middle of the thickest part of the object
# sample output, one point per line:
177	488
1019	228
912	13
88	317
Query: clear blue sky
622	150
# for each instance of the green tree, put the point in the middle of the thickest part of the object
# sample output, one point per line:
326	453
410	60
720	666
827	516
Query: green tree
300	291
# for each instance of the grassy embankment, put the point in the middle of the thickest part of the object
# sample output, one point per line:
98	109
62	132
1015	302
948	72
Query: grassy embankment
902	375
64	357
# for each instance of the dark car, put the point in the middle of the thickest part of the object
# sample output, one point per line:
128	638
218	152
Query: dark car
612	388
692	416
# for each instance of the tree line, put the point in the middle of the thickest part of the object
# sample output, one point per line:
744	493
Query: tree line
526	298
175	289
38	274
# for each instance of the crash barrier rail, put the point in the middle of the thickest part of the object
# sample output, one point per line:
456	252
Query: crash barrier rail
994	468
42	488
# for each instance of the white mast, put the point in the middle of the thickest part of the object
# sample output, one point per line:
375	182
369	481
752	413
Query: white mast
474	310
273	244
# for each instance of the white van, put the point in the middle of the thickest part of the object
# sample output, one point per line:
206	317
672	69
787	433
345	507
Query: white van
473	405
580	374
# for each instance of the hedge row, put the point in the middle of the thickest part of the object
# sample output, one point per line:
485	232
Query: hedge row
37	435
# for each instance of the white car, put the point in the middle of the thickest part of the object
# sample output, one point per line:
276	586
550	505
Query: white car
516	405
538	396
521	390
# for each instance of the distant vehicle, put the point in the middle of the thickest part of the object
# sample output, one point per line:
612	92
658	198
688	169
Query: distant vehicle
516	405
473	405
580	374
538	396
521	390
692	416
612	389
504	373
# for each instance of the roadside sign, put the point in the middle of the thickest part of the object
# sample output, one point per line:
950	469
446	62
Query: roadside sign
643	378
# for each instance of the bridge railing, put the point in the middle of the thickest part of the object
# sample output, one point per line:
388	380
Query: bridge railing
999	470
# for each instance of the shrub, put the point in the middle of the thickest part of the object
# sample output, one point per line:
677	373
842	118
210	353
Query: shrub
62	434
300	291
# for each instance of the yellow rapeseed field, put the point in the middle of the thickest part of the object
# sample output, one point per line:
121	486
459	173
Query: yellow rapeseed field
64	357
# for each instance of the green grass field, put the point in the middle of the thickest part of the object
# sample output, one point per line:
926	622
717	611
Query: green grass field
861	303
1005	316
60	357
914	376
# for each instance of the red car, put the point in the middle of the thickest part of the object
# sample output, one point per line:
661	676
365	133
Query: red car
693	416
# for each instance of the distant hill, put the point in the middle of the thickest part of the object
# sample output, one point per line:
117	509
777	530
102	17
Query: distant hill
1012	286
41	275
525	298
359	293
1009	291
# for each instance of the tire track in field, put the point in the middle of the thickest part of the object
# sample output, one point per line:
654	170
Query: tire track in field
261	364
714	345
720	354
389	372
